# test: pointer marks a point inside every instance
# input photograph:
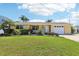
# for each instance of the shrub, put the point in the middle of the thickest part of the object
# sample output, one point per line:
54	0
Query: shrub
53	34
72	30
40	32
16	32
0	26
8	32
24	32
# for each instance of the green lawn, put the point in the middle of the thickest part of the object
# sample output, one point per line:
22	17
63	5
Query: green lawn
38	46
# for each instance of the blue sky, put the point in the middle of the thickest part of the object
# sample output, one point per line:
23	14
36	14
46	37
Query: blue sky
38	11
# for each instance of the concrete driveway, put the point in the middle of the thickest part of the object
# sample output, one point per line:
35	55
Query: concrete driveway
74	37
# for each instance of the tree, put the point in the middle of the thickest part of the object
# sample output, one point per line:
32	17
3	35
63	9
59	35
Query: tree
0	26
8	23
72	29
49	21
24	18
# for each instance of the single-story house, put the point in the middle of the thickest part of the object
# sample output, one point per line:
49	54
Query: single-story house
76	28
60	28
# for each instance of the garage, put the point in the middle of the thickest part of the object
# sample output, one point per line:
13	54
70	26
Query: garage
58	29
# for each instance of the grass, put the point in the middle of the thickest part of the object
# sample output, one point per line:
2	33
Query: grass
38	46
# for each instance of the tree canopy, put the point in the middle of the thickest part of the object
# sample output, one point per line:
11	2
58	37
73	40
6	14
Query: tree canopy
7	22
49	20
24	18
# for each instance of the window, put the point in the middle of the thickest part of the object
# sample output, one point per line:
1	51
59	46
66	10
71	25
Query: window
58	26
54	26
19	27
62	26
35	27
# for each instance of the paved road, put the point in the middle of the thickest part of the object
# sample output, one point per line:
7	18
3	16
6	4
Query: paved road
72	37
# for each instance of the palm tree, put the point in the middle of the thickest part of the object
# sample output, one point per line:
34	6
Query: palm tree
24	18
49	20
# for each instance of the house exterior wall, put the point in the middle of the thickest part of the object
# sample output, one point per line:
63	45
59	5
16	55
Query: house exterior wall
27	26
52	27
48	27
67	28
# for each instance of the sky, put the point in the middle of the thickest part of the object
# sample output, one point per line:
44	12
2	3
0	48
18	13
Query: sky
40	12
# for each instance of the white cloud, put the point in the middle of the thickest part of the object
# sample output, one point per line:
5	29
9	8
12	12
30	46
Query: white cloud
46	8
71	21
57	20
62	20
74	18
75	15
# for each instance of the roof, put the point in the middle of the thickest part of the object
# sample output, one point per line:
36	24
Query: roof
40	23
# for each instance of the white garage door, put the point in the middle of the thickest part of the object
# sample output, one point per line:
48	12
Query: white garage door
59	29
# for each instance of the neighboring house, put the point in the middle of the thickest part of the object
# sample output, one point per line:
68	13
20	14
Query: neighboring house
46	27
76	29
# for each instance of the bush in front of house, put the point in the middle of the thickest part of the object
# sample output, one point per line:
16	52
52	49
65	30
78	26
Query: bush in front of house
52	33
40	32
55	34
16	32
72	30
8	32
24	32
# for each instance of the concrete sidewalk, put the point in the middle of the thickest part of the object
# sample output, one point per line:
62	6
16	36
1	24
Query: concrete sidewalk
74	37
